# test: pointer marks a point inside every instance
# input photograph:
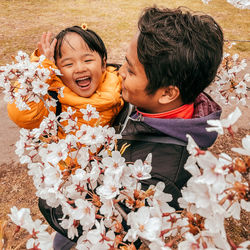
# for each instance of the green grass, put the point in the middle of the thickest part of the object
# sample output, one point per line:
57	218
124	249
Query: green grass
22	22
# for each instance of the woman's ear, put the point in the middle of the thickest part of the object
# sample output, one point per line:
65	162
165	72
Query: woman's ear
169	94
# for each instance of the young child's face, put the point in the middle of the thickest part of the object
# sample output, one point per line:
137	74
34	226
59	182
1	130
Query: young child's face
81	67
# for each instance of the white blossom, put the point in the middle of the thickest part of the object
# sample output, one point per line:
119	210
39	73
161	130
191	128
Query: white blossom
140	170
219	125
142	225
89	113
245	150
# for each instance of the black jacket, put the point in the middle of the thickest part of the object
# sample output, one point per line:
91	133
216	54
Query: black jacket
166	140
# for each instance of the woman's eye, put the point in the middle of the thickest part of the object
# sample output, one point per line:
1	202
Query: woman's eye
89	60
130	71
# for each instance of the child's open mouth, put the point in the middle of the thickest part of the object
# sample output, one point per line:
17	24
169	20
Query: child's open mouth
83	82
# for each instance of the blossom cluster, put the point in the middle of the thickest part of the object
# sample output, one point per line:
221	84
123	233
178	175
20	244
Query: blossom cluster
100	194
241	4
232	89
39	238
31	85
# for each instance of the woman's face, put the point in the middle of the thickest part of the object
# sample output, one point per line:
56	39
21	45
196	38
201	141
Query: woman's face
135	81
81	68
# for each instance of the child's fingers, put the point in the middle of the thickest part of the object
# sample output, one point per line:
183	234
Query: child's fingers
40	47
53	44
47	38
42	40
45	47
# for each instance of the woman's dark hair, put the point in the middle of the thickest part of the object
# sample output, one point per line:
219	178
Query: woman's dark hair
93	41
180	49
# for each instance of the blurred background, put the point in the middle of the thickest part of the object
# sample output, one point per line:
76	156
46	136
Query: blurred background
23	21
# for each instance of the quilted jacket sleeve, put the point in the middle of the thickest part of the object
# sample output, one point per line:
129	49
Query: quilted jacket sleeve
28	119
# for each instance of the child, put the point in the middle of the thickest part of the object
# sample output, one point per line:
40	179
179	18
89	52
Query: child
80	55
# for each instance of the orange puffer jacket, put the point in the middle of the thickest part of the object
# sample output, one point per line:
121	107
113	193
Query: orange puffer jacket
107	101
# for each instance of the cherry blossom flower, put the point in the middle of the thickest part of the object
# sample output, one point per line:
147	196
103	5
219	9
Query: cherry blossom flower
206	1
85	213
241	88
109	189
22	56
160	199
245	205
192	147
94	137
140	170
52	195
114	165
36	227
78	186
89	113
49	124
192	167
43	242
99	238
71	127
111	137
244	245
52	175
107	207
60	91
65	116
20	217
241	4
142	225
213	172
247	77
219	125
40	87
82	242
202	197
54	153
159	245
71	226
245	150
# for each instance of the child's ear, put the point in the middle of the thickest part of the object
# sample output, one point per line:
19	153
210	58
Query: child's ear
104	64
169	94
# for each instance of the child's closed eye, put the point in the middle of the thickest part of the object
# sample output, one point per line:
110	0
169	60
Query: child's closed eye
68	65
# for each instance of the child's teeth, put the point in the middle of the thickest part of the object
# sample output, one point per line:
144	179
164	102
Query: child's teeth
81	79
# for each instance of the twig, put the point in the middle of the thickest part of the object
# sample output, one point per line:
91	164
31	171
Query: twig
2	233
20	244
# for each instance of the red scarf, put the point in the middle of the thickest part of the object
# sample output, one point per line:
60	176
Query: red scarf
185	112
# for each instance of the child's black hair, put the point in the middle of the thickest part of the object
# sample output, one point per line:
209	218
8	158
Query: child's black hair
180	49
93	41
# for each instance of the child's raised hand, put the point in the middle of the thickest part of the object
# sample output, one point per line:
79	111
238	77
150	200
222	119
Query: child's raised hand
45	47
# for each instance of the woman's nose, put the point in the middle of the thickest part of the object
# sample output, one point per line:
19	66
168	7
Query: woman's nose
121	72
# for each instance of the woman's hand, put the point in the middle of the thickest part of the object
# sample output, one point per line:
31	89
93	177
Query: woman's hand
45	47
